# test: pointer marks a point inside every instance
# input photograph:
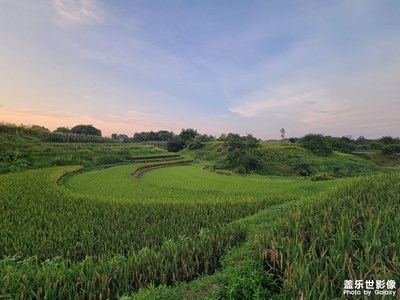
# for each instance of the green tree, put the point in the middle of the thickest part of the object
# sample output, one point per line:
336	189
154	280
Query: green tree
122	138
199	141
242	155
175	145
164	135
62	130
317	144
343	144
391	149
388	140
187	135
86	130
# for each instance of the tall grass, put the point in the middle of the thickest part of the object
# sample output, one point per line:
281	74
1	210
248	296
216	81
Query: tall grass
351	234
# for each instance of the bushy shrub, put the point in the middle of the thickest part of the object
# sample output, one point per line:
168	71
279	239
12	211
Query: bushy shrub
175	145
242	155
317	144
391	149
303	166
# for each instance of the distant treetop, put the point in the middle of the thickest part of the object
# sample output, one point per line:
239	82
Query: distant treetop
86	129
63	130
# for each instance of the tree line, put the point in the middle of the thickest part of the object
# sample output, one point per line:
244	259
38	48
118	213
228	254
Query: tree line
319	144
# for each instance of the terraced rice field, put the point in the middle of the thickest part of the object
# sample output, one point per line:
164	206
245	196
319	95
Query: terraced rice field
104	233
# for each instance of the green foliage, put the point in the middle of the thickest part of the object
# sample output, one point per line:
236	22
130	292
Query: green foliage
175	145
287	159
12	161
302	165
34	130
199	141
161	135
249	281
86	129
388	140
60	137
376	145
321	177
343	144
119	137
242	155
18	153
317	144
63	130
391	149
385	160
187	135
196	143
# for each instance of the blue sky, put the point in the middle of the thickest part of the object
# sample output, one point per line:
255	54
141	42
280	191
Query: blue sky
329	67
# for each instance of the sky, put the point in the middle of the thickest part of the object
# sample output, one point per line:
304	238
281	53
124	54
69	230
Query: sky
219	66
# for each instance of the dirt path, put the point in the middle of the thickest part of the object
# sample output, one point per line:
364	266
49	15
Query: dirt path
141	171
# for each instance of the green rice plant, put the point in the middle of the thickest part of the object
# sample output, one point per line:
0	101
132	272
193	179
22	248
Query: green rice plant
104	233
351	234
57	243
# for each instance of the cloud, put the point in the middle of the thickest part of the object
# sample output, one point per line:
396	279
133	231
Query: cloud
77	11
328	116
281	100
134	114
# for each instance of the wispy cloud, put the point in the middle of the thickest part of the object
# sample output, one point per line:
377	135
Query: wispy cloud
134	114
281	100
77	11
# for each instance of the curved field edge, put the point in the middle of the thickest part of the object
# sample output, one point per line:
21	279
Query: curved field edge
138	163
144	169
306	249
58	244
191	184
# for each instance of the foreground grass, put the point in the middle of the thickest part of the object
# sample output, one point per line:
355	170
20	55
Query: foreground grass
176	224
58	243
351	234
241	275
306	249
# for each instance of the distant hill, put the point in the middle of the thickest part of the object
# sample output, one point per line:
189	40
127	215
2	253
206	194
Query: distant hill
287	159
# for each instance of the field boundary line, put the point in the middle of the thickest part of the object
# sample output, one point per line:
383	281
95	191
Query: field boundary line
140	171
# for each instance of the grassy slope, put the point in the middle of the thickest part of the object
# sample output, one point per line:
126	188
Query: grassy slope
18	153
286	159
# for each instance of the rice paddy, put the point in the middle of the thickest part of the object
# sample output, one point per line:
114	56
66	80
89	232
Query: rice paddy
104	233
